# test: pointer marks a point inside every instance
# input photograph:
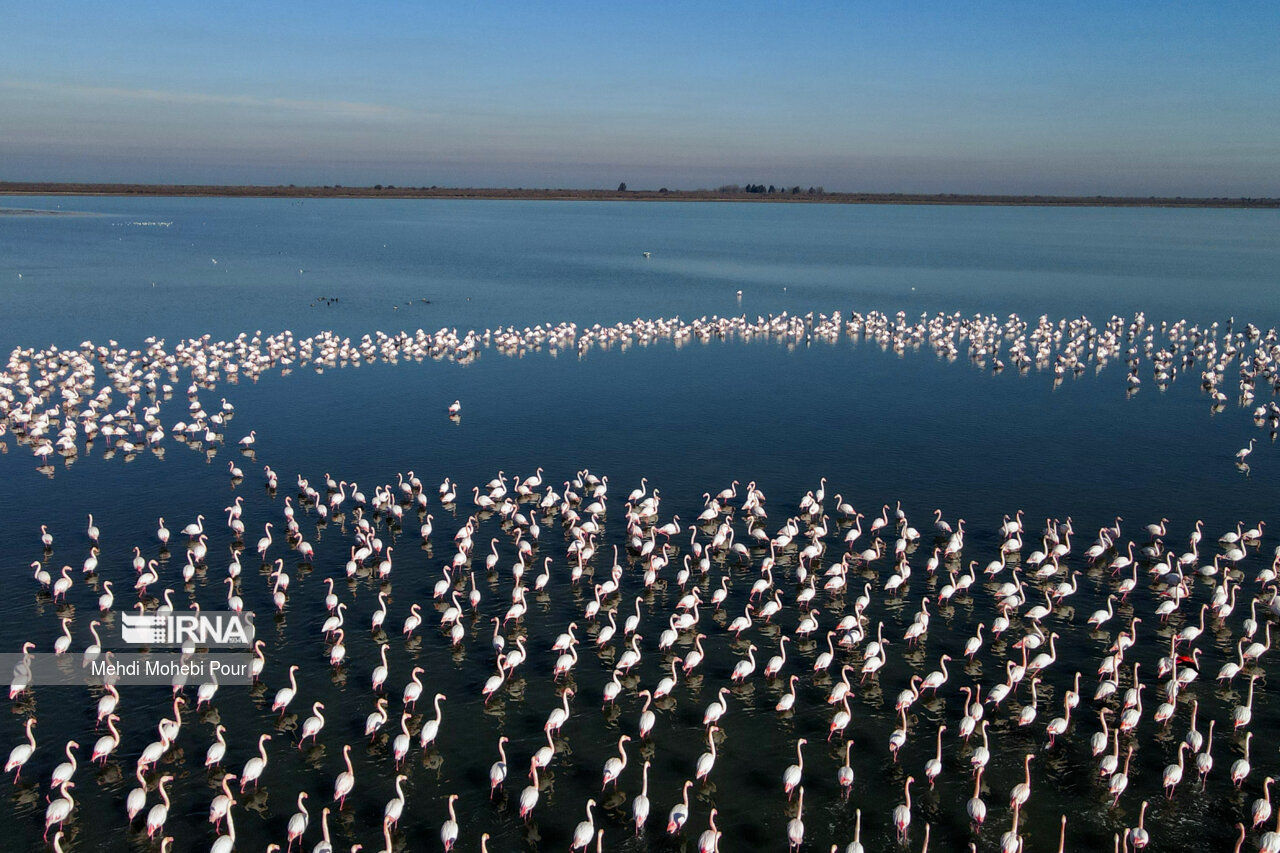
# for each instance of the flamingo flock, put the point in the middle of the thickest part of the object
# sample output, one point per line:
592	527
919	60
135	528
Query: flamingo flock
89	377
850	618
422	640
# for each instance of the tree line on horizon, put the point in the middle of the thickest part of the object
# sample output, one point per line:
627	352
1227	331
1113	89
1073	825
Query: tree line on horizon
734	189
768	190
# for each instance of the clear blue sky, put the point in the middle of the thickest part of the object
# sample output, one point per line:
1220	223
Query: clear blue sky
1085	98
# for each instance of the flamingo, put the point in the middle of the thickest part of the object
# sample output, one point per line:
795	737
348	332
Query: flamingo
449	829
66	769
226	843
494	682
933	767
1173	772
375	721
529	796
640	805
60	809
647	717
498	770
22	753
412	690
1120	780
585	830
792	775
976	808
62	585
1204	760
1243	714
325	846
221	804
312	725
717	708
285	694
680	811
1022	791
380	672
160	812
795	827
902	812
137	798
298	822
1058	725
338	651
432	727
1240	767
346	780
559	716
218	749
840	720
743	669
395	806
614	766
707	760
1011	842
1262	807
101	750
254	766
1138	835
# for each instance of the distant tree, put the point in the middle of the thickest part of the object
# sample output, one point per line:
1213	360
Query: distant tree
729	188
811	190
772	188
663	190
622	187
795	190
377	186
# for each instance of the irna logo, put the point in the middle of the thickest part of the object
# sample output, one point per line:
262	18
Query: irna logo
178	629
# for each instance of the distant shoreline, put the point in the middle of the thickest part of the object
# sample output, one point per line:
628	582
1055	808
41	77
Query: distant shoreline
31	211
21	188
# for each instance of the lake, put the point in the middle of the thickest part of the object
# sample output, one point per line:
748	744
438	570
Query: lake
783	403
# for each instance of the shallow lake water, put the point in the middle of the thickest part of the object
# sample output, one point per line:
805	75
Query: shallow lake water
882	425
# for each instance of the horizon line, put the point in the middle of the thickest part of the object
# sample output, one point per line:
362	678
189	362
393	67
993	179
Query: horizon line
726	192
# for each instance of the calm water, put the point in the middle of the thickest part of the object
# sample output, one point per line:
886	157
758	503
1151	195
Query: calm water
498	263
880	426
